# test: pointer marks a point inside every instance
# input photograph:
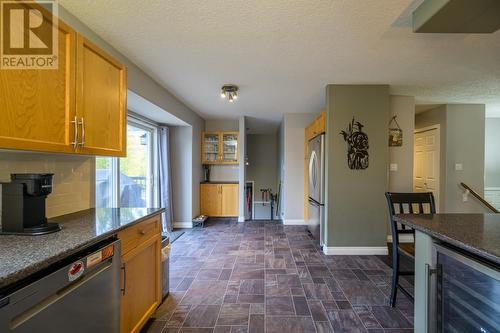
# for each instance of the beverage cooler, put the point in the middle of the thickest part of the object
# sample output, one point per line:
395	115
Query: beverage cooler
464	293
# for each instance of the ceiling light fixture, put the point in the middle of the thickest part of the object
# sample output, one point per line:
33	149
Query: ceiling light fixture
229	91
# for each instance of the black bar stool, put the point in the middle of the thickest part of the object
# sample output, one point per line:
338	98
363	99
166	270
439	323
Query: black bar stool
405	203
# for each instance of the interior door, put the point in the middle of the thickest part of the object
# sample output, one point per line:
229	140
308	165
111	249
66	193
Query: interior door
101	101
427	163
37	106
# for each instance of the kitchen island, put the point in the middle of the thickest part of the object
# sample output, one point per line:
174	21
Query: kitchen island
457	271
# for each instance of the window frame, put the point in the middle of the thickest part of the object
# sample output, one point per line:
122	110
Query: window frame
151	197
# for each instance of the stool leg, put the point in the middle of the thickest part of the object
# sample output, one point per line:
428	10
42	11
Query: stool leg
395	276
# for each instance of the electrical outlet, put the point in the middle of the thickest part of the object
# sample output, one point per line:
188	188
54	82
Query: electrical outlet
393	167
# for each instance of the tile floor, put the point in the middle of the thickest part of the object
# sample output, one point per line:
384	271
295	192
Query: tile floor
261	276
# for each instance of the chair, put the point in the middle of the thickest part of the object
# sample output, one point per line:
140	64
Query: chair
405	203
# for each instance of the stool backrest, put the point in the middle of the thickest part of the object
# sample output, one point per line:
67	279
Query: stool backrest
408	203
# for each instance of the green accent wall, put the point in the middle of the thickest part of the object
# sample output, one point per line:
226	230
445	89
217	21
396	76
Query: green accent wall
356	211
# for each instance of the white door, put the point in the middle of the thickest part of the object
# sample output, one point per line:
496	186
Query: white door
426	162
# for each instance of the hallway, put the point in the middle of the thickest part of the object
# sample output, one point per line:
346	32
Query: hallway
265	277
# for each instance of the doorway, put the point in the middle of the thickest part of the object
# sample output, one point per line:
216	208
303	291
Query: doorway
426	171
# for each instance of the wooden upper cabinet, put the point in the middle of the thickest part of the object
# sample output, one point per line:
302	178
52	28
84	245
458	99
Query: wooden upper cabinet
80	107
101	101
219	148
210	147
37	106
229	147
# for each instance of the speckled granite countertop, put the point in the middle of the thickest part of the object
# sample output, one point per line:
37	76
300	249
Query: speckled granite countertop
476	233
221	182
21	256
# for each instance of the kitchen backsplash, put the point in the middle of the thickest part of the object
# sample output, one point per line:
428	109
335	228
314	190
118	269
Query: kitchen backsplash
74	178
220	173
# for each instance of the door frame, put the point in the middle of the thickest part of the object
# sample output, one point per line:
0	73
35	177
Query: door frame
422	130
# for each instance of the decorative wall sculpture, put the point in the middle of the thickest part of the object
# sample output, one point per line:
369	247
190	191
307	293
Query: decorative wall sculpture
357	146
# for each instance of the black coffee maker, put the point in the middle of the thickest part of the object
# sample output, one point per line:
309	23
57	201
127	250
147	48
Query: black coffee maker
23	204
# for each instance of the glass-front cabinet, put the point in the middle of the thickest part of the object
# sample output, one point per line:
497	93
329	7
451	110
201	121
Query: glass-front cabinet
210	147
220	148
230	147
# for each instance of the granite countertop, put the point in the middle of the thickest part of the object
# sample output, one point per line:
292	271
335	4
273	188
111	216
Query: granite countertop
222	182
21	256
475	233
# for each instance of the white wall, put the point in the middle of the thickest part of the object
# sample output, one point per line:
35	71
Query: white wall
281	167
402	180
242	168
462	135
293	164
492	153
263	158
182	181
226	125
143	85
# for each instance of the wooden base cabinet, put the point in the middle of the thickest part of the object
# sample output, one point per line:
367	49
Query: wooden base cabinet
141	274
219	200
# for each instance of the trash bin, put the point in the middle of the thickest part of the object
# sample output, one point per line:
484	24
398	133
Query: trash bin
165	254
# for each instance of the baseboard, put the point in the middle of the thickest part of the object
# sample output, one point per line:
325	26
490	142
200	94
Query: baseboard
403	238
294	222
355	250
183	225
241	219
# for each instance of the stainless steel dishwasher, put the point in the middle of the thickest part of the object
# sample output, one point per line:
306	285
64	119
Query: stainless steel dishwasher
81	296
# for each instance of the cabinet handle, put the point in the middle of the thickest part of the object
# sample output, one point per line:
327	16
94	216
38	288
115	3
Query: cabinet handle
142	232
75	139
124	269
83	132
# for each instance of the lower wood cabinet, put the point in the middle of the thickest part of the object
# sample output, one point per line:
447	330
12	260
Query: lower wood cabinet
141	273
219	200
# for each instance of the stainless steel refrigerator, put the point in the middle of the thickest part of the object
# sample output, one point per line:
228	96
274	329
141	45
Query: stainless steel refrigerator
316	183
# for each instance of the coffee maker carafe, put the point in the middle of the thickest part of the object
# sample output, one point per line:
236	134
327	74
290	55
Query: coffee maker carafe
23	204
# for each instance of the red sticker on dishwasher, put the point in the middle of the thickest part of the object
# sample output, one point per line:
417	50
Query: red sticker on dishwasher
75	270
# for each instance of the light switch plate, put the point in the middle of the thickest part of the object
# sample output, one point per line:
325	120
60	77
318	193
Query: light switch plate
459	167
393	167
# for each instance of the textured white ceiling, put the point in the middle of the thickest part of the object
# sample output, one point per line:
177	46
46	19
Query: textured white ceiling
282	53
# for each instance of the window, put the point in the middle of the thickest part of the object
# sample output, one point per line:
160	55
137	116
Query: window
129	181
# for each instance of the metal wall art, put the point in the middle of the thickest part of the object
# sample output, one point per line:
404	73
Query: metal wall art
395	134
357	146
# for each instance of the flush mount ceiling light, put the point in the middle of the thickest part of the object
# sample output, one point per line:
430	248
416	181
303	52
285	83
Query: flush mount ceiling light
229	91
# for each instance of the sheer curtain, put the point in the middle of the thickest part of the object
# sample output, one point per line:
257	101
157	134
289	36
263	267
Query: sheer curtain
164	178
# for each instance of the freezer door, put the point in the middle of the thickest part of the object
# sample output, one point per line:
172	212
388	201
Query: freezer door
316	169
316	221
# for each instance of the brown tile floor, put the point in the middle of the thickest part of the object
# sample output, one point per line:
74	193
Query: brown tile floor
265	277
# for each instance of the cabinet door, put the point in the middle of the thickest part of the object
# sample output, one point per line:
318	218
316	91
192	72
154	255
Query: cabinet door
210	147
37	106
140	285
210	199
229	205
101	101
229	148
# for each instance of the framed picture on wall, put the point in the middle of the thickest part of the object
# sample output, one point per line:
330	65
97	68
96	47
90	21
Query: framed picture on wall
395	134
